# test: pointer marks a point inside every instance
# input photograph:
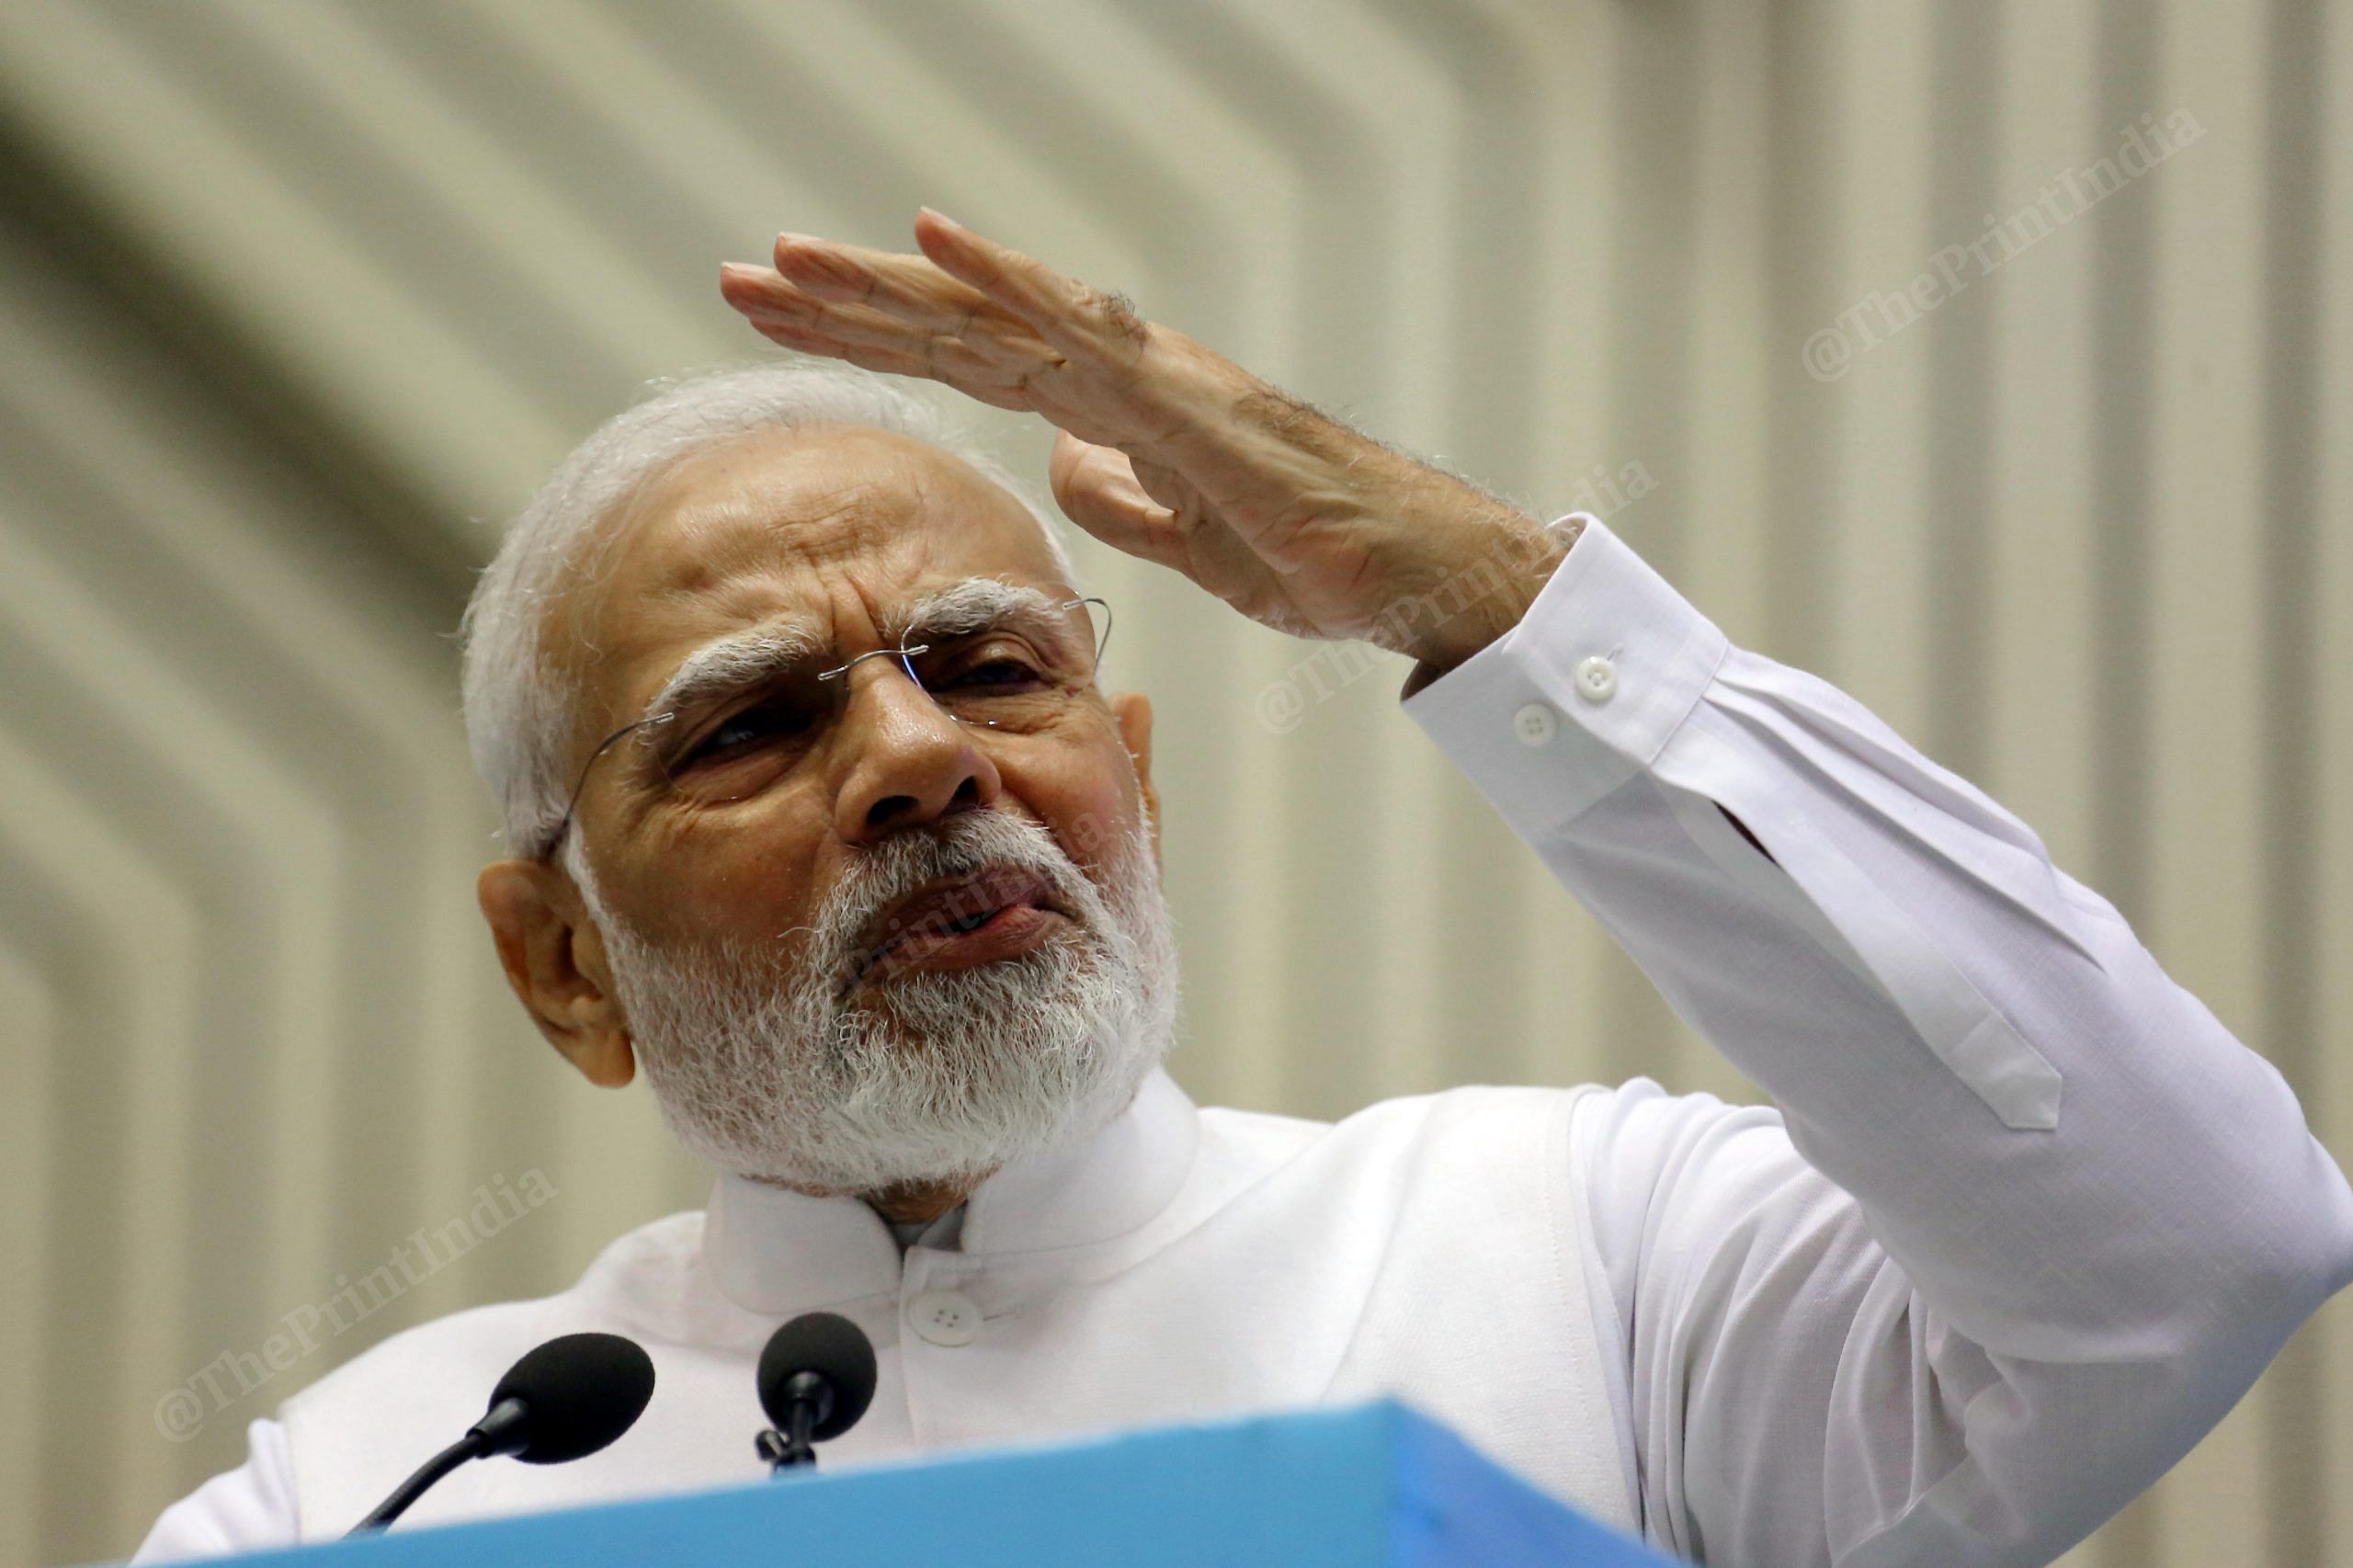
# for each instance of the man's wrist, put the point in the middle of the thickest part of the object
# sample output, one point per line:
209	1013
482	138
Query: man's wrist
1494	583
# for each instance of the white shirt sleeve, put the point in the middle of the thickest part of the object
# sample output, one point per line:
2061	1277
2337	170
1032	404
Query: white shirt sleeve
244	1509
2027	1221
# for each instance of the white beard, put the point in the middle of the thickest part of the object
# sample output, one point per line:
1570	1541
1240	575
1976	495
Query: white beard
765	1070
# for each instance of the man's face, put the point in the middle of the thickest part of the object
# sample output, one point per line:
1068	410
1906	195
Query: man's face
854	940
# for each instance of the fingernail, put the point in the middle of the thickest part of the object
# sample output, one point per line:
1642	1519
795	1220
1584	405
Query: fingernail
785	235
943	217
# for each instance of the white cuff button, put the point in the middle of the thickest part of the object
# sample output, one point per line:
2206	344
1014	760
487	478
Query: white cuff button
1596	679
945	1317
1535	724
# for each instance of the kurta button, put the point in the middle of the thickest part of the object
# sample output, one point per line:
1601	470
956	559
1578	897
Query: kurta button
1596	679
1534	724
945	1317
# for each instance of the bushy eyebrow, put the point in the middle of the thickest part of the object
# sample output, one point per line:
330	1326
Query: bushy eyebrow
735	662
742	660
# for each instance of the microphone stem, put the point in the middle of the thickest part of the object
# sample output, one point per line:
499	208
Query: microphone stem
793	1446
805	1421
468	1447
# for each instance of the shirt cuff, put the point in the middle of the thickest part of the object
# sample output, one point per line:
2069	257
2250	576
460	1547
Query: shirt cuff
1582	694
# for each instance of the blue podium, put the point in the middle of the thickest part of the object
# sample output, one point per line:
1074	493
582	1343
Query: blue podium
1350	1488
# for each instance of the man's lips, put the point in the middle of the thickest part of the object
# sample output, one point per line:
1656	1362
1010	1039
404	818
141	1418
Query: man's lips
975	919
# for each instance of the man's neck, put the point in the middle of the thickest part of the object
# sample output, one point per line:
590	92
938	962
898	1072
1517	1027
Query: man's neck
902	1203
912	1202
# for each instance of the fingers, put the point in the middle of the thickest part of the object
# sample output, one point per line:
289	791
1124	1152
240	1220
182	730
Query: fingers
807	340
988	336
769	299
989	321
904	289
1078	320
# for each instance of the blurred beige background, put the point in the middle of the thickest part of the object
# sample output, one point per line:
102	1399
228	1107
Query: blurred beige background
299	299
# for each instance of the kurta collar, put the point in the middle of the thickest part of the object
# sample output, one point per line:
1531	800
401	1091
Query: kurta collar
775	1252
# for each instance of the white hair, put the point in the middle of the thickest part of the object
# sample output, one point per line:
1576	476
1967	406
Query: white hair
775	1064
518	708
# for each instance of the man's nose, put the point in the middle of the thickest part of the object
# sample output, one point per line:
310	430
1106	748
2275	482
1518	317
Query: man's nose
910	763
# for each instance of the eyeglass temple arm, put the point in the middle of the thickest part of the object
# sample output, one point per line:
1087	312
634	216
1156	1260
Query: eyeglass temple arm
604	745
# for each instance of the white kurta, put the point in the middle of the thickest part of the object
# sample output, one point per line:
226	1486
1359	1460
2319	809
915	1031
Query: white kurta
2025	1221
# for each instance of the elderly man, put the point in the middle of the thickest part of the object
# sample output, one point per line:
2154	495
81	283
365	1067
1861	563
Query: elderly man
820	817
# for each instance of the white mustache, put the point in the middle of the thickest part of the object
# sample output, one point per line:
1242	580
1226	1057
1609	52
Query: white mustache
964	845
760	1069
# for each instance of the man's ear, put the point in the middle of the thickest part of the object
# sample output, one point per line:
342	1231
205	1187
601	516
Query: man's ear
554	958
1133	711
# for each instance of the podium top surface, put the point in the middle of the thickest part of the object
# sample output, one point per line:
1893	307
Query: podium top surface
1348	1488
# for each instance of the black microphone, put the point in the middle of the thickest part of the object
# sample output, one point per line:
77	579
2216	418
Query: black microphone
816	1378
562	1402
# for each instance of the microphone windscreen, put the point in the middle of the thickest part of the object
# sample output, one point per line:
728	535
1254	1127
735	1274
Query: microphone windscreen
835	1350
581	1390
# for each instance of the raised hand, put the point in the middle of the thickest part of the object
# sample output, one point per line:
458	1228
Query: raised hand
1169	450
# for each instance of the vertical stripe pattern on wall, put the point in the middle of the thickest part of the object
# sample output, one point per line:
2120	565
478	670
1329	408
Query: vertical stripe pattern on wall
298	303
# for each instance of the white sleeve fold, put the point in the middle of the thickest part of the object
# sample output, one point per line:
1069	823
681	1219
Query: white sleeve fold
2028	1219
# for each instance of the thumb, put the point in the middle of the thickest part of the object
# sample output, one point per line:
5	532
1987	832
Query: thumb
1098	489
